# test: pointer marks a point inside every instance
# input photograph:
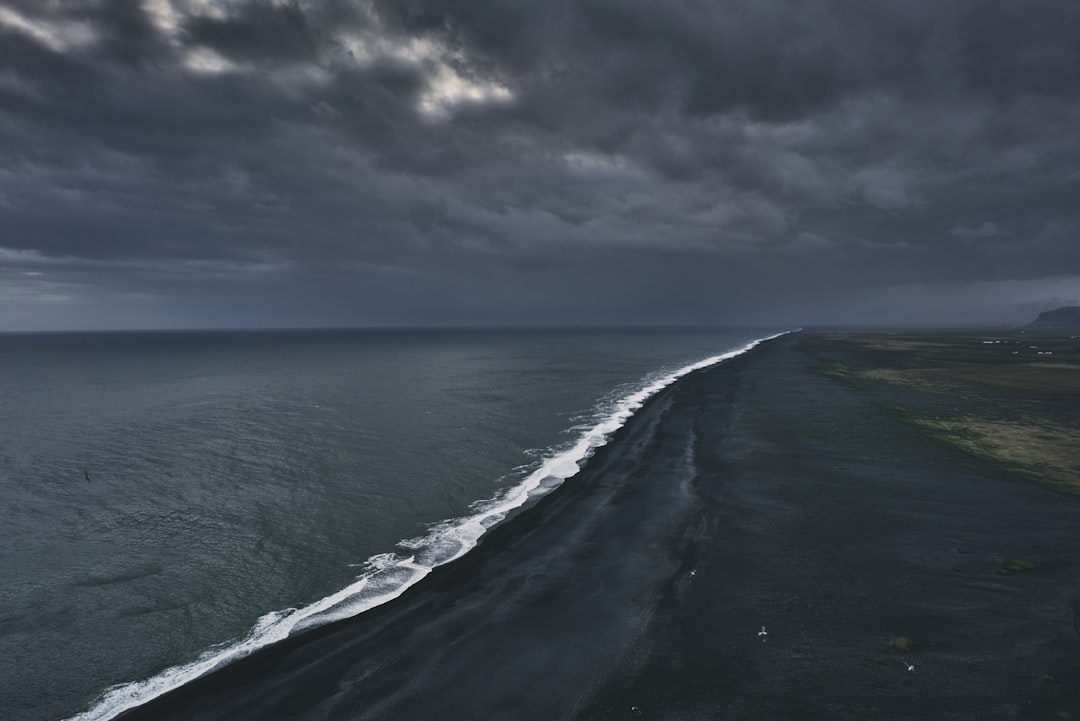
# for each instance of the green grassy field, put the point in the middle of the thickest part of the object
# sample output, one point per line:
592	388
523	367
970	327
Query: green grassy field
1010	397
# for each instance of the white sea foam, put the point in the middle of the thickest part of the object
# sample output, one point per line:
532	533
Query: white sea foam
388	575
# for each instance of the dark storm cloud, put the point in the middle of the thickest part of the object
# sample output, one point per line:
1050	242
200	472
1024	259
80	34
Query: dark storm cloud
471	161
128	34
258	31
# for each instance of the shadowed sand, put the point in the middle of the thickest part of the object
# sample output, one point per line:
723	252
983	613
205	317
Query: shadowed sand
762	492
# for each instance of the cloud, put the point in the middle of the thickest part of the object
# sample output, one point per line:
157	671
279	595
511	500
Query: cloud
484	145
987	229
886	188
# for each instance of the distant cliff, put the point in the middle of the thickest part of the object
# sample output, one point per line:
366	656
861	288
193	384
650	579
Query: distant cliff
1067	317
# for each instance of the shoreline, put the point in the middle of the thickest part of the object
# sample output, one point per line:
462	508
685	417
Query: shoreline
387	580
758	492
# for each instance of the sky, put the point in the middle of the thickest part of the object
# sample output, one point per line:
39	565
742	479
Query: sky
258	163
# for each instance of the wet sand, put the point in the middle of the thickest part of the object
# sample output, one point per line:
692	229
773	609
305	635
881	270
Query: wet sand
761	492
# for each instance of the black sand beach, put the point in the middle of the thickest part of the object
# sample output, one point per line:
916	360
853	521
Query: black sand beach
764	492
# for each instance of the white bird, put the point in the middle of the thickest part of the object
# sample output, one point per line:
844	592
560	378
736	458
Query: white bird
693	573
762	633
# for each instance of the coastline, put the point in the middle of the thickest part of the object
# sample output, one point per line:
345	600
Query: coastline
390	575
759	492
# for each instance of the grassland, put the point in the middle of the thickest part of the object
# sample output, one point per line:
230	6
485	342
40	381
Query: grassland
1009	397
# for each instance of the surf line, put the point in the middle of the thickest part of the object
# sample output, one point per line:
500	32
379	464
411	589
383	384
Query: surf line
389	575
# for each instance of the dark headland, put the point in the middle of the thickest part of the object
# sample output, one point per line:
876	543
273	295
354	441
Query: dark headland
876	502
1067	317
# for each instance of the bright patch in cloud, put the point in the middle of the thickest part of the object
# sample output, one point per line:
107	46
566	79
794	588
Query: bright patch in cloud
58	36
169	15
204	60
447	90
164	15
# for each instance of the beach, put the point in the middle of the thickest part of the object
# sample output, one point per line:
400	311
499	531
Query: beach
769	538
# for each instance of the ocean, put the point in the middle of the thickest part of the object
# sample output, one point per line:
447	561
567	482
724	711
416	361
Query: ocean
172	501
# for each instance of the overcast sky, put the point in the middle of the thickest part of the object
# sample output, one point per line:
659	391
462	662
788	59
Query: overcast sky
240	163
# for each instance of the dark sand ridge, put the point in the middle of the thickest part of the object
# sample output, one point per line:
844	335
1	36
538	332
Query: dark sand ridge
762	492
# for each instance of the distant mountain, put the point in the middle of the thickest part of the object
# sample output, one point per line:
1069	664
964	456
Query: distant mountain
1067	317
